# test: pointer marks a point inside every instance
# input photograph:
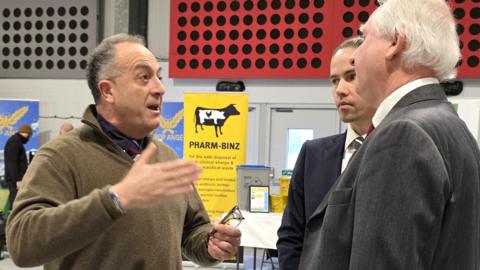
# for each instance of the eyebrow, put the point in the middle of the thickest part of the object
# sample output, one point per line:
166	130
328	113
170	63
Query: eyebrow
147	67
334	76
349	71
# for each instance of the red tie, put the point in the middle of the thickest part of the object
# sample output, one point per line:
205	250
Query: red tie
370	129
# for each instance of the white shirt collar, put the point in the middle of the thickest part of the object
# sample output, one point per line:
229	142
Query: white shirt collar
388	103
351	135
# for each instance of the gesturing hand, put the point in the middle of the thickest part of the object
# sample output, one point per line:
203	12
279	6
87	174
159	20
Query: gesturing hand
146	184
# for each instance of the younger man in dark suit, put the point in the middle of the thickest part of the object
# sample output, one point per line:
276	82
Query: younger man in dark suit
321	161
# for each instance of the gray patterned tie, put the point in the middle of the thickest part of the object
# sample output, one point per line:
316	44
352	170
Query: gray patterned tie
355	145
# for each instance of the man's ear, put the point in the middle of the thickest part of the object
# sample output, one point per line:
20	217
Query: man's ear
397	46
105	87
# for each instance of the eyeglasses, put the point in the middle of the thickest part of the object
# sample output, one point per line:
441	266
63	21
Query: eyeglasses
233	218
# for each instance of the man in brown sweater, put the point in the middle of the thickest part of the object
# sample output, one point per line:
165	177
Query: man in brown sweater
108	196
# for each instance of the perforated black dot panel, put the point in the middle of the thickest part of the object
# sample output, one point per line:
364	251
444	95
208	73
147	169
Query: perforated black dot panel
46	39
282	38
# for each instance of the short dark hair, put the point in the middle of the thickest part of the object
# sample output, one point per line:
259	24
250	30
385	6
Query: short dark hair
354	42
102	61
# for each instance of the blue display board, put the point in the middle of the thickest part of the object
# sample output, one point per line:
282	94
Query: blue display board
13	114
171	126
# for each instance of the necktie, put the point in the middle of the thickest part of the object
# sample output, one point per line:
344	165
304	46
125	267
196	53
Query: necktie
355	144
370	129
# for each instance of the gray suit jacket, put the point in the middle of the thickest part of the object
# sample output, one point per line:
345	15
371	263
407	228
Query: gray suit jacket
409	199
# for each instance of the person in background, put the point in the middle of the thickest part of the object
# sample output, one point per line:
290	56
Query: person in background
16	162
64	128
322	160
107	195
409	199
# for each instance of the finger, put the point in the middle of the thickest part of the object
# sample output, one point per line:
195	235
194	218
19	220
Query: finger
228	231
147	154
217	252
173	181
233	241
178	163
179	190
226	248
182	174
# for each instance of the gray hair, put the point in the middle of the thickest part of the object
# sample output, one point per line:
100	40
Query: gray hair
102	63
429	29
354	42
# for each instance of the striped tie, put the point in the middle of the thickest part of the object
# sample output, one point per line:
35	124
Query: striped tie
354	146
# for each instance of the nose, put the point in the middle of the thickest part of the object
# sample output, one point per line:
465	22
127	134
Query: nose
342	88
158	89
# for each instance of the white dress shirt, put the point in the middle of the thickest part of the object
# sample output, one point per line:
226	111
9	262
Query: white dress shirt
388	103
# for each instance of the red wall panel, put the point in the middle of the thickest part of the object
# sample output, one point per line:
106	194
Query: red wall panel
280	38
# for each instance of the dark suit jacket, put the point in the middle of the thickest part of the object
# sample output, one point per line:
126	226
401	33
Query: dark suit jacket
318	166
409	199
15	159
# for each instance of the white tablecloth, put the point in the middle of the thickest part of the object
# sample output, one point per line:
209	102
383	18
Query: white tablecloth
259	230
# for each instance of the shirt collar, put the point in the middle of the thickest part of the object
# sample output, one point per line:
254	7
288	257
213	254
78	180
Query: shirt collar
351	135
131	146
388	103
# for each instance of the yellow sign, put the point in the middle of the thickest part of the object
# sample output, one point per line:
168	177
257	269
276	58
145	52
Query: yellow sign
215	136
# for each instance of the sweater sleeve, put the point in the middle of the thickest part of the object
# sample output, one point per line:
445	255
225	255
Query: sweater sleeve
195	234
48	221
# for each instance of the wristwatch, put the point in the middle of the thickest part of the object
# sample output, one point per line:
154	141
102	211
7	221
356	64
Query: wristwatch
116	200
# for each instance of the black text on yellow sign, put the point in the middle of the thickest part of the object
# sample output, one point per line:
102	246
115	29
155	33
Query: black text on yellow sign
215	137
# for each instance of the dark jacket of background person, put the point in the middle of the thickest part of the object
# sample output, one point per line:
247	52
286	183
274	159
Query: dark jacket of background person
72	173
15	158
318	166
409	198
16	164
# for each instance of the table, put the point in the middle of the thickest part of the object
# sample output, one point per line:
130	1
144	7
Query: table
259	230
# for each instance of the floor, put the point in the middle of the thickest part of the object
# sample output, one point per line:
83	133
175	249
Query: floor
7	263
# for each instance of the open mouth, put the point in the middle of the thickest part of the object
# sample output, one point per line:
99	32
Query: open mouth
155	107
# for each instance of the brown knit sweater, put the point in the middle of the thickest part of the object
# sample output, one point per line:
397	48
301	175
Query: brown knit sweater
64	218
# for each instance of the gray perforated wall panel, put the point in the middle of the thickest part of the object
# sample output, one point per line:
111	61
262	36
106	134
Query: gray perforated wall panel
48	38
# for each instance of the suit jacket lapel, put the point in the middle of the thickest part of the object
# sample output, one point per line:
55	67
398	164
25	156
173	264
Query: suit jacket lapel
334	152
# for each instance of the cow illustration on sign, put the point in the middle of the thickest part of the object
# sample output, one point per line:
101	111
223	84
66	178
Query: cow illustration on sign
214	117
